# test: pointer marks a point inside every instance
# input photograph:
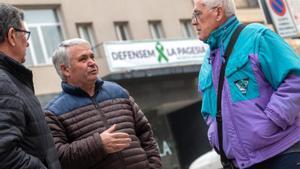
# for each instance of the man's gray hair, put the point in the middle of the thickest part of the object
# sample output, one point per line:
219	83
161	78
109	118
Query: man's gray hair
228	5
60	55
10	16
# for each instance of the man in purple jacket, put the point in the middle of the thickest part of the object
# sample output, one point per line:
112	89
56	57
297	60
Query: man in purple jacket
261	93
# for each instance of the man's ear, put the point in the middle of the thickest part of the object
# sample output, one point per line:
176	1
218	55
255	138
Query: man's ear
65	70
11	36
220	14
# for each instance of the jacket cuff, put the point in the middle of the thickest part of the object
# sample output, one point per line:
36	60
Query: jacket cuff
100	147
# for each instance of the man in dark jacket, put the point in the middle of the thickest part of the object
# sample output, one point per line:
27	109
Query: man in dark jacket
25	139
96	124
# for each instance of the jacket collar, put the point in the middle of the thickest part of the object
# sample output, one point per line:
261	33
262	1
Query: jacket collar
17	70
220	37
77	91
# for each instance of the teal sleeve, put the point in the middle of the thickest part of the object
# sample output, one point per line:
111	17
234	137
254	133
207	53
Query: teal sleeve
205	69
277	58
206	88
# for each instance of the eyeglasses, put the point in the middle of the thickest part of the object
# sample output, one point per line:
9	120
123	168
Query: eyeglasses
26	33
197	14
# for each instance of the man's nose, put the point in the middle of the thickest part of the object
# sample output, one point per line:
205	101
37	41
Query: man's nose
194	21
91	62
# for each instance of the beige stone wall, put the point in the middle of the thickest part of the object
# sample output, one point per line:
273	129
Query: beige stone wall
241	3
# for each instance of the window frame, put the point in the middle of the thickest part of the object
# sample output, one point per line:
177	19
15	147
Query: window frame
41	37
88	27
156	29
187	28
122	30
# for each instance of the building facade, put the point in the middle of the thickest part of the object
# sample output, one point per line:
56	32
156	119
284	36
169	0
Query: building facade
124	32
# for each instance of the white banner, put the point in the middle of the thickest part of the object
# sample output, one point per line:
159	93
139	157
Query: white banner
132	55
282	18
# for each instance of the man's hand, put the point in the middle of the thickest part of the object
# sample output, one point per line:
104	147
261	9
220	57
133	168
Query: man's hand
114	141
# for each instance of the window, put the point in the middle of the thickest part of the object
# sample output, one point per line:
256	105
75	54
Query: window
46	34
122	30
86	32
156	29
187	28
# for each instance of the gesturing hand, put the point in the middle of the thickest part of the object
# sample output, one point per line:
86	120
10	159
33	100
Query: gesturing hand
114	141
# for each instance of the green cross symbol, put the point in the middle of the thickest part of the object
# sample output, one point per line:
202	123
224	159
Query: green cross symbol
160	49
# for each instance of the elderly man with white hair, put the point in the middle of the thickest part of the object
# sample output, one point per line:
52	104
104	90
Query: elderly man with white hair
250	90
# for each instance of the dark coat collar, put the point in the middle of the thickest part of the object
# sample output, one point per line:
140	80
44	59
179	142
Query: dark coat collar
17	70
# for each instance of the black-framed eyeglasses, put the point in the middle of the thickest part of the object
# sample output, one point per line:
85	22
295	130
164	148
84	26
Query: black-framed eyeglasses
26	33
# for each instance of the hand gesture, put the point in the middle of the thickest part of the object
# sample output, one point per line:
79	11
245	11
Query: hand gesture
114	141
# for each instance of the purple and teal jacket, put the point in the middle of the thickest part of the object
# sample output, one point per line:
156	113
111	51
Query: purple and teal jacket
261	94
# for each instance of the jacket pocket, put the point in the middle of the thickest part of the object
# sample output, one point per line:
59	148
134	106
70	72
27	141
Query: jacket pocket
262	131
241	79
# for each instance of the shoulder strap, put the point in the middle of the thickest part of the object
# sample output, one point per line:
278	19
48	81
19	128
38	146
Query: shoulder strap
224	160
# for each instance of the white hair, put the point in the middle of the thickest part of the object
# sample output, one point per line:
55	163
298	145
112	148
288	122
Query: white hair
228	5
60	55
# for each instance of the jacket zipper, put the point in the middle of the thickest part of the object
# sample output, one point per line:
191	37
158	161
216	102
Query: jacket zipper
106	126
